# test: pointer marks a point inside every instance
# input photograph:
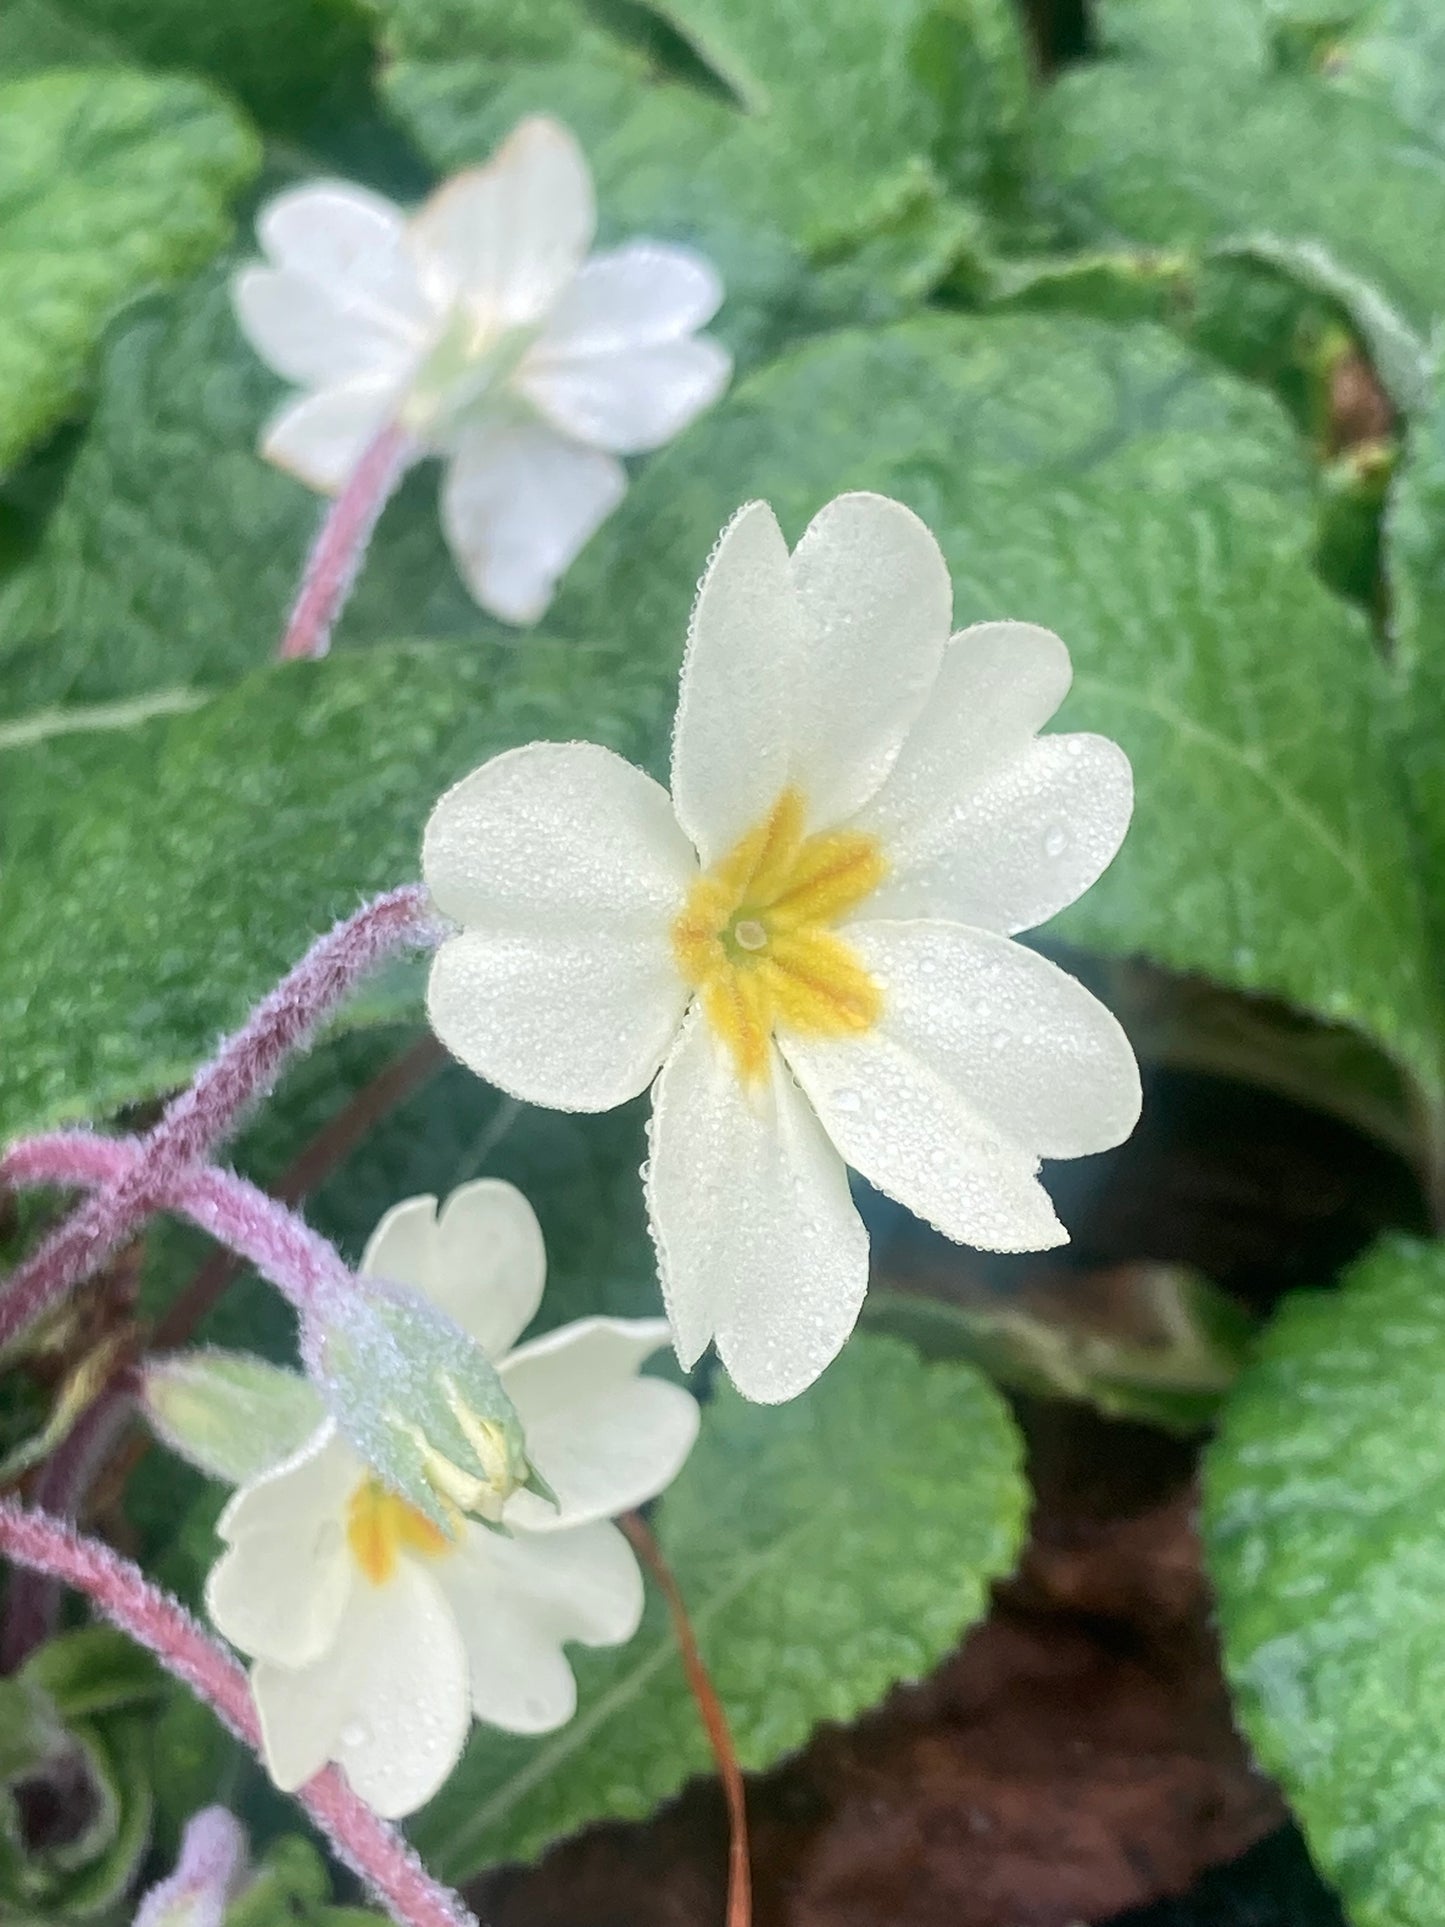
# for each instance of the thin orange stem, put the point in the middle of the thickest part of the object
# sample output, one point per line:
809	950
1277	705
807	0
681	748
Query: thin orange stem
714	1719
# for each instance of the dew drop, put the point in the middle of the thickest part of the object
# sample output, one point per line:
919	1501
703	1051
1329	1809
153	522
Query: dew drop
847	1100
1056	841
355	1733
1074	745
1001	1039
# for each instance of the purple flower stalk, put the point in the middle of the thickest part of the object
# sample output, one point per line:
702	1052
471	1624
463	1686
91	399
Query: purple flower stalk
242	1071
342	541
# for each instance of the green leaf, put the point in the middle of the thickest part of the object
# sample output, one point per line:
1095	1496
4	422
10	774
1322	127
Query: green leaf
208	849
826	1549
230	1414
110	183
291	62
1324	1532
1206	152
1154	1343
94	1671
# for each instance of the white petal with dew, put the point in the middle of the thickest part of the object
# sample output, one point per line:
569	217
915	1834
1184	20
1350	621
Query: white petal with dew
1036	1056
998	684
320	438
516	1600
875	587
630	400
389	1703
632	297
1023	843
566	866
279	1590
758	1240
506	238
604	1438
746	648
519	502
481	1259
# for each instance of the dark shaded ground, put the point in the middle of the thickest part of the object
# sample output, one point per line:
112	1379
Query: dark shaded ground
1076	1758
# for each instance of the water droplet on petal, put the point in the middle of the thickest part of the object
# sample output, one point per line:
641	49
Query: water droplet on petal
355	1733
1056	841
1001	1039
847	1100
1074	745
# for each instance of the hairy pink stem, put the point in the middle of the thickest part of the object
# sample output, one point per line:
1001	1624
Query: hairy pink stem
160	1623
242	1070
342	541
303	1266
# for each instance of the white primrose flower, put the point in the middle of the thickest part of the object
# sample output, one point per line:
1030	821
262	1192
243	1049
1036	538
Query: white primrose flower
375	1635
808	944
480	324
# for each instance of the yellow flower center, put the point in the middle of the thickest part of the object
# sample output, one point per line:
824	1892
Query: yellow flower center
755	939
380	1527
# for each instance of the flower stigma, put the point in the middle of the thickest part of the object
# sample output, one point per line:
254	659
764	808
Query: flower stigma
755	936
380	1527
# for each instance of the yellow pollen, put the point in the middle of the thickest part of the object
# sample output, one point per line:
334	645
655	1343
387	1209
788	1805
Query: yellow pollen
755	937
380	1526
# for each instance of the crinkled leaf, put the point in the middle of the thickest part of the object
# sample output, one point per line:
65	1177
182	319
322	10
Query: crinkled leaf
289	61
1326	1540
826	1549
110	183
1205	151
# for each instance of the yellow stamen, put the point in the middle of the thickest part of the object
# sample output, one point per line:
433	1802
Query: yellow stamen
380	1526
754	936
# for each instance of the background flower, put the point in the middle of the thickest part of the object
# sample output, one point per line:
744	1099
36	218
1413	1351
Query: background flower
481	325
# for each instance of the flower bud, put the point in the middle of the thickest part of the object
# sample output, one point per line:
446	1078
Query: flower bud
421	1403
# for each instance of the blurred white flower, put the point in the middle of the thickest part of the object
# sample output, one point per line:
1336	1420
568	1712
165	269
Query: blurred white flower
480	324
810	939
375	1635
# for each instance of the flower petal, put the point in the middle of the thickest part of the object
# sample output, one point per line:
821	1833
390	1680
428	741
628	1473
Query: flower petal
746	647
567	865
519	502
629	400
997	686
306	332
333	231
876	591
506	238
389	1702
320	438
280	1589
481	1260
632	297
604	1438
984	822
758	1241
516	1600
986	1058
1029	839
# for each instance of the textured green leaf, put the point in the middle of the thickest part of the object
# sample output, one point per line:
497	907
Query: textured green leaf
1323	180
208	848
290	61
826	1549
1325	1536
110	183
